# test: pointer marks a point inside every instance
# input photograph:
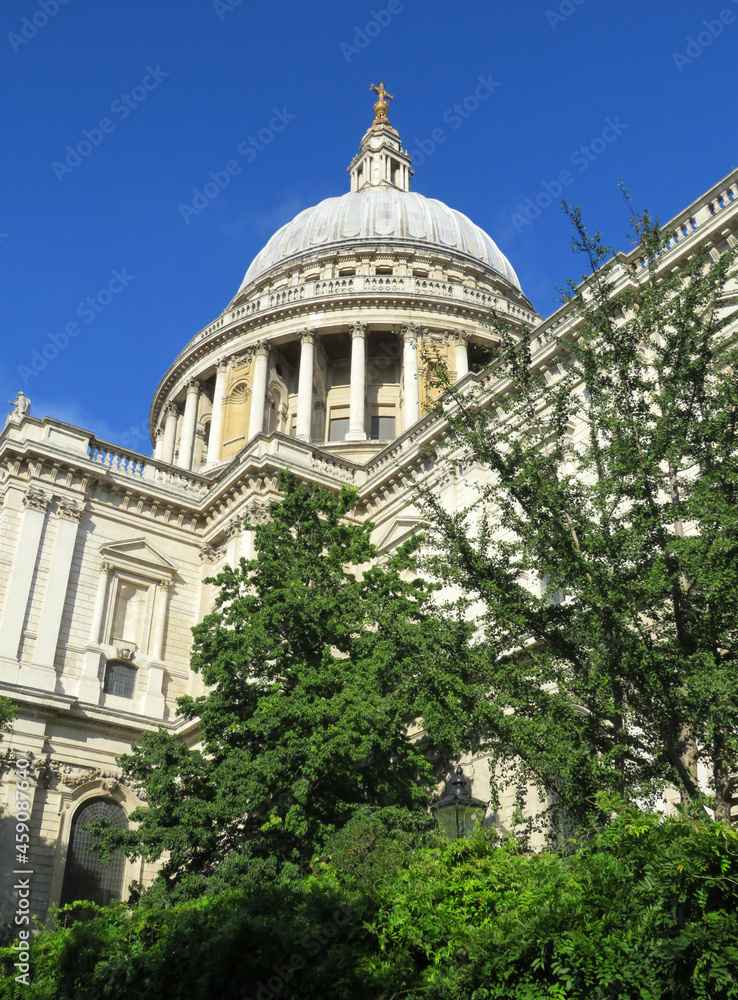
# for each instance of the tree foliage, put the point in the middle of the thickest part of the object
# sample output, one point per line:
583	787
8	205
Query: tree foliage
603	543
646	908
314	671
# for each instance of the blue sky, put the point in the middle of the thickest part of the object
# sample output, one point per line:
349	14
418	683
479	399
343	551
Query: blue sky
97	248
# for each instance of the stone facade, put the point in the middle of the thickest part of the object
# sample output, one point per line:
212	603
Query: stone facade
314	366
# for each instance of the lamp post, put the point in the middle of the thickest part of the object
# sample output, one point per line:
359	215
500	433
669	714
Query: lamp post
458	813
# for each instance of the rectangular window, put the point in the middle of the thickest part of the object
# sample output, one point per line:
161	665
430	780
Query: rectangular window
339	428
382	429
384	270
345	272
120	679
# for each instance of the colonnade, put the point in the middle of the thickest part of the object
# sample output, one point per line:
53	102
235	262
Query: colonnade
166	439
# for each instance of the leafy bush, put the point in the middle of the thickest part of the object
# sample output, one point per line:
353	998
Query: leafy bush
646	908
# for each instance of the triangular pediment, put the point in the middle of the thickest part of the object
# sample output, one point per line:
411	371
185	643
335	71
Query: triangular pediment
139	554
399	530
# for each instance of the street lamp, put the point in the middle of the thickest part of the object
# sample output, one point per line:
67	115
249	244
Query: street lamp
458	813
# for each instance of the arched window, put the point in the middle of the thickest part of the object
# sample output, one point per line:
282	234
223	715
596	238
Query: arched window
84	876
120	679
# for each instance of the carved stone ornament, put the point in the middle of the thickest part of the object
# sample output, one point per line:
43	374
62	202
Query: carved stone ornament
72	775
36	499
125	653
70	509
410	334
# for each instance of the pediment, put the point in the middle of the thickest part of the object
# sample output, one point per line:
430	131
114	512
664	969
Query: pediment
139	555
399	530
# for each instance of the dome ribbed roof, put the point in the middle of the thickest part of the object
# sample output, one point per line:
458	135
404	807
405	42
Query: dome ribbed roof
379	215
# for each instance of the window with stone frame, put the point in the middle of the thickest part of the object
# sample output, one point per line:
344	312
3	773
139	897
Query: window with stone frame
120	679
85	878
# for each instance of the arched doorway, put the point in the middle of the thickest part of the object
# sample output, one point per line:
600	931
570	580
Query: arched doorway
84	877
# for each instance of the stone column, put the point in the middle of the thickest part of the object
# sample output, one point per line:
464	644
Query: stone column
305	386
100	598
159	442
357	397
161	607
461	351
259	388
89	682
41	673
18	591
410	374
216	420
187	439
171	414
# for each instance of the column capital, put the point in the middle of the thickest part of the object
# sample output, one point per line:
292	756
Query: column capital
261	348
36	499
222	363
158	431
193	385
359	329
410	332
308	335
71	510
171	409
458	337
165	584
106	567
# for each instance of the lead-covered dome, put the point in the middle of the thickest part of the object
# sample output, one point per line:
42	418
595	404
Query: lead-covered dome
379	215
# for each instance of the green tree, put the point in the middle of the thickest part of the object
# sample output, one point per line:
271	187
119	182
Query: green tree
315	671
7	714
612	481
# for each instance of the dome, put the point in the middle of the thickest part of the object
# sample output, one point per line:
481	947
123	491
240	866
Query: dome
378	215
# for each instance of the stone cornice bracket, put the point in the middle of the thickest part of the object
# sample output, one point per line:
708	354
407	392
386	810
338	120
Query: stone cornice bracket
359	329
70	509
309	335
36	499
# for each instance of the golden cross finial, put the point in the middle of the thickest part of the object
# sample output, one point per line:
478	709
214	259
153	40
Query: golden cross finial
382	106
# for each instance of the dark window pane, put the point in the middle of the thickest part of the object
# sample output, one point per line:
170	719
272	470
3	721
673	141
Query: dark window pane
383	429
339	428
120	679
84	876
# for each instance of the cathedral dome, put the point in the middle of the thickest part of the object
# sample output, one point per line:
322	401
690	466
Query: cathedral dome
379	215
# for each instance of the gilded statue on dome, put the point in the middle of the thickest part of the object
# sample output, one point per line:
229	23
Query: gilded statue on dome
382	106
